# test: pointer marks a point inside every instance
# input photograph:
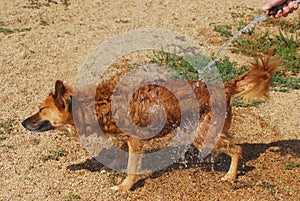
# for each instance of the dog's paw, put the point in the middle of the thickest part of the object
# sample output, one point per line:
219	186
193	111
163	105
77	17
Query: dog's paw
115	188
104	170
120	188
229	178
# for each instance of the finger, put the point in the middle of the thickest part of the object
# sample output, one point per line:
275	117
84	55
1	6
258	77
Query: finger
291	5
295	4
266	7
285	10
279	14
271	4
285	14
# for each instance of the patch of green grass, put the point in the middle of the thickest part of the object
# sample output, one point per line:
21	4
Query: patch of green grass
184	66
6	30
283	45
223	30
181	65
43	22
228	69
291	165
287	50
269	186
237	102
289	25
66	3
253	45
39	3
6	127
54	155
22	29
115	174
71	197
283	83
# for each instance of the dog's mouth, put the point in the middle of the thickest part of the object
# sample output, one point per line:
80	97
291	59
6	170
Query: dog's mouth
39	127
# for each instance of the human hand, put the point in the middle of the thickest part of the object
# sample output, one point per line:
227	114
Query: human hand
288	7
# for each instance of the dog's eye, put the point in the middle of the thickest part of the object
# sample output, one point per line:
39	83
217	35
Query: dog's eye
41	109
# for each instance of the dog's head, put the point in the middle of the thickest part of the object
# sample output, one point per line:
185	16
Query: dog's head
54	113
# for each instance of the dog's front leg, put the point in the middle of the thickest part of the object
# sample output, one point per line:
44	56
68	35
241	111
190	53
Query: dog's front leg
134	165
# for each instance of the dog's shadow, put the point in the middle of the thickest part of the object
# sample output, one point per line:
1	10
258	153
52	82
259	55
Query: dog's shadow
250	152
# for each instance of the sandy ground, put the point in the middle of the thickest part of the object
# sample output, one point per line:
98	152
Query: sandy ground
59	40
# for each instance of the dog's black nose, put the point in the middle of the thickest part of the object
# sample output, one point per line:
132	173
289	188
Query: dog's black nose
23	124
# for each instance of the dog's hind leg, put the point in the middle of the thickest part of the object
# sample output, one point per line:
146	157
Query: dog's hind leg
225	146
134	165
234	151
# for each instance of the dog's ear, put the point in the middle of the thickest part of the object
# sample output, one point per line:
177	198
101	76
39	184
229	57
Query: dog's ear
60	89
62	99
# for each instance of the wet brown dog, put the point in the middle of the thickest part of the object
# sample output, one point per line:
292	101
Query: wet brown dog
56	113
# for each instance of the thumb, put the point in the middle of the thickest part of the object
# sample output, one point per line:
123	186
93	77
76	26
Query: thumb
272	4
266	7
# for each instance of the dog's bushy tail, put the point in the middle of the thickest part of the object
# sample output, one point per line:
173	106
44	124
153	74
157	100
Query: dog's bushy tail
254	84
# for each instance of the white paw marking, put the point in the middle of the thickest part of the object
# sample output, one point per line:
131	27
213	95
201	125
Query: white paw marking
115	188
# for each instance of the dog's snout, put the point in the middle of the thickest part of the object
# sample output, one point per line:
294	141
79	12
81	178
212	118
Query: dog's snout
37	126
25	123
